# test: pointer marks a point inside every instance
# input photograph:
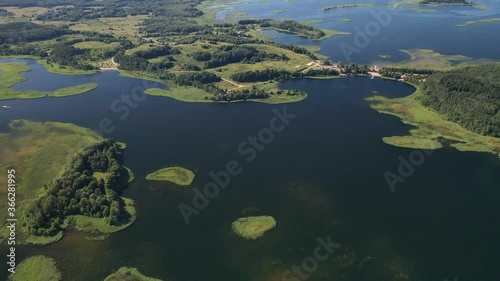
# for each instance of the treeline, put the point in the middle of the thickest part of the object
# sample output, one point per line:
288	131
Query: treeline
407	73
264	75
468	96
243	54
136	63
78	192
22	32
447	2
195	78
67	55
286	25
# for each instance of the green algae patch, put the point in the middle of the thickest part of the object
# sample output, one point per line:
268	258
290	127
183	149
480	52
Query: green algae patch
37	268
430	126
177	175
252	228
129	274
413	142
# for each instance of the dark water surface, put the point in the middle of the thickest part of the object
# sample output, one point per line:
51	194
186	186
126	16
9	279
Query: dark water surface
323	175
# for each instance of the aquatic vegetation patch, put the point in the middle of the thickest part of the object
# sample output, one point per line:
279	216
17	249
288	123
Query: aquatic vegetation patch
177	175
253	228
129	274
430	59
37	268
430	126
489	20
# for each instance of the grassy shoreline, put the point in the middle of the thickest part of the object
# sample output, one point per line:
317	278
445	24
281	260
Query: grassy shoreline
10	74
430	126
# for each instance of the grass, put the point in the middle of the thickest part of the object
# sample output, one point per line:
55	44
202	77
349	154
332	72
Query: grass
96	45
430	126
37	268
117	27
100	225
489	20
129	274
185	94
38	152
252	228
177	175
413	142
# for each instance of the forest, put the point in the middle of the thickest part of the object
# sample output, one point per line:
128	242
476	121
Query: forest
469	96
78	192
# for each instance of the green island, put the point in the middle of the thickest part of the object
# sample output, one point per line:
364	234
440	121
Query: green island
56	188
345	6
10	75
385	56
129	274
37	268
430	59
252	228
192	52
438	3
177	175
278	11
345	20
488	20
459	106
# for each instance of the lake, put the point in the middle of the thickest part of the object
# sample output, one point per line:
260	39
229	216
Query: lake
322	175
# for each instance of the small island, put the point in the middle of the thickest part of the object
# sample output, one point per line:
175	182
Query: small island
177	175
131	274
252	228
39	268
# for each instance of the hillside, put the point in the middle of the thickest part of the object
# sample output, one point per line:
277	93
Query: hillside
469	96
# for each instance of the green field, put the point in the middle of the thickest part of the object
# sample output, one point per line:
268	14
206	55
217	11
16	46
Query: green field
129	274
37	268
177	175
11	75
252	228
38	151
430	126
